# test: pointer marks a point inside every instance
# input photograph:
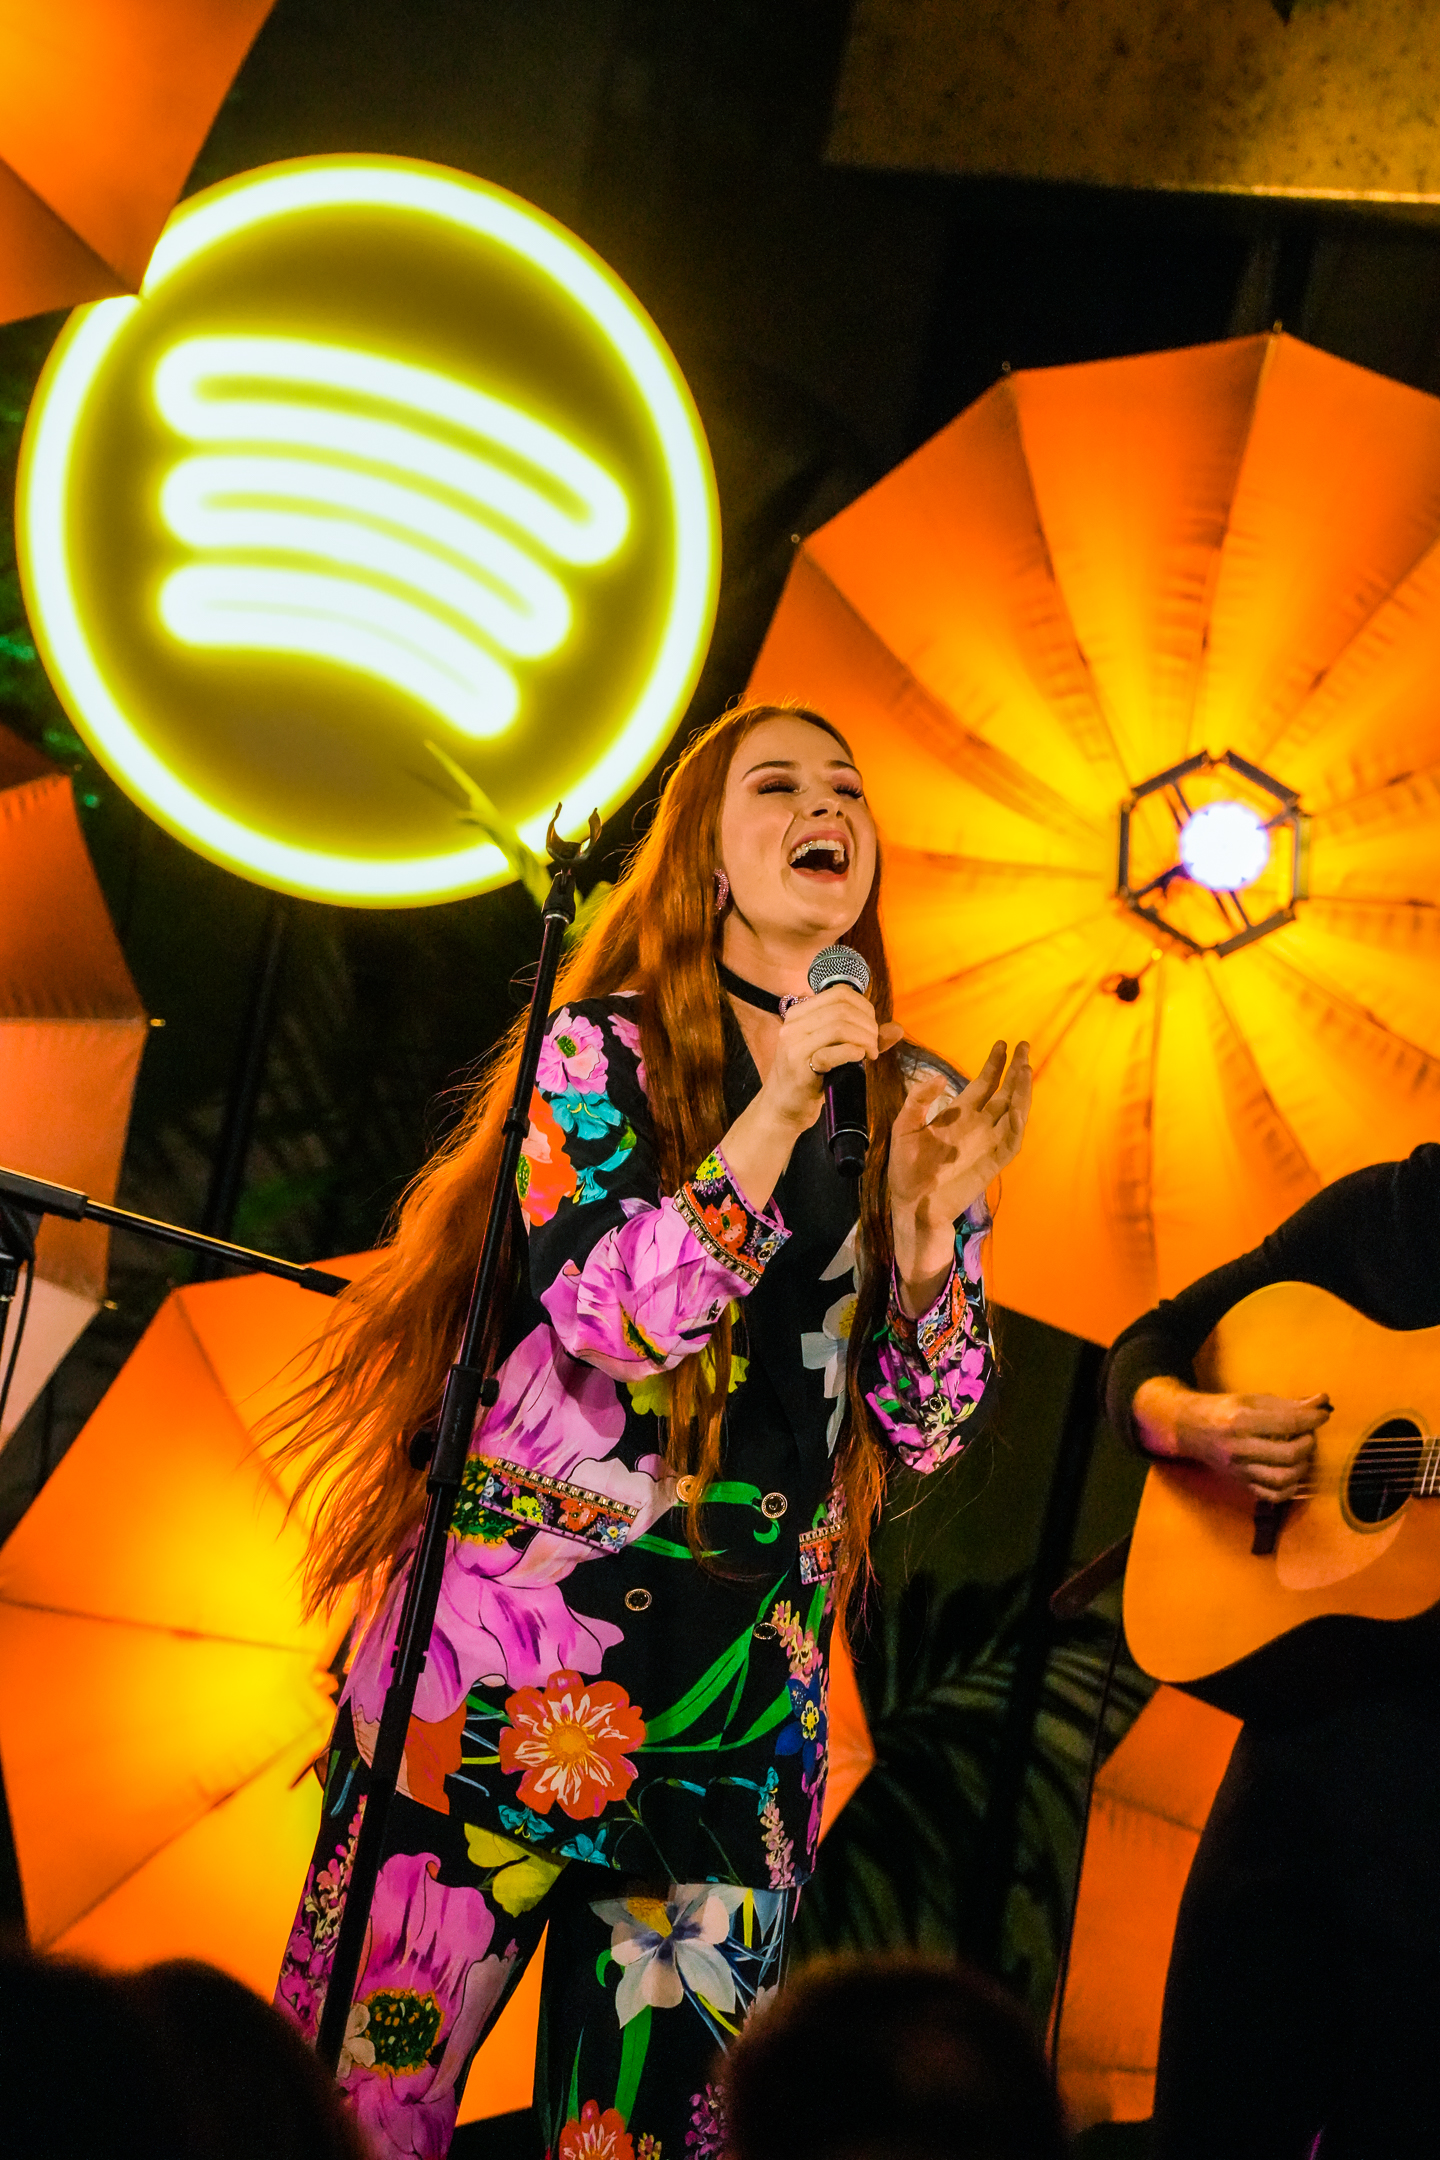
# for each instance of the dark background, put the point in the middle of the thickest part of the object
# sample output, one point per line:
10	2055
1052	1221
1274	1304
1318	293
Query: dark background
828	321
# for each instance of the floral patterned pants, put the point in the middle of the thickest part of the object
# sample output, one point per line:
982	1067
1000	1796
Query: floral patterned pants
644	1984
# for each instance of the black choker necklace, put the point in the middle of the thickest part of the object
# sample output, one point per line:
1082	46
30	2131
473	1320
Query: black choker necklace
750	993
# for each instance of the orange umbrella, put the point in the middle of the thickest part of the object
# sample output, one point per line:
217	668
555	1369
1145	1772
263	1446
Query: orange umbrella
161	1695
71	1032
1151	1803
104	105
1043	633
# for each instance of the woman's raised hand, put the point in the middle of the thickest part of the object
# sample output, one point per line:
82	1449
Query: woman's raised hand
945	1149
837	1028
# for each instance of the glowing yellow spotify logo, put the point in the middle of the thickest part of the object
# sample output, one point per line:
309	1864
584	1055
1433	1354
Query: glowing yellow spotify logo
384	500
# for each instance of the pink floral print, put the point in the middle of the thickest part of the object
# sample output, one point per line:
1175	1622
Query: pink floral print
425	1994
572	1057
305	1972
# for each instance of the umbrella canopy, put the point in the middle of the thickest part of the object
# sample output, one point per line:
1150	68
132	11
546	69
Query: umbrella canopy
1102	599
104	105
1152	1800
161	1694
71	1032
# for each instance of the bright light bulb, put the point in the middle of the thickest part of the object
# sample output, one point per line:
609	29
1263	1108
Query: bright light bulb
1225	846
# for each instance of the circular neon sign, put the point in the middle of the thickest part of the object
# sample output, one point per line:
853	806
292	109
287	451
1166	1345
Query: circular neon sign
382	509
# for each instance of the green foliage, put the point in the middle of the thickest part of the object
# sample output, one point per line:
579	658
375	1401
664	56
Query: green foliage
898	1867
27	702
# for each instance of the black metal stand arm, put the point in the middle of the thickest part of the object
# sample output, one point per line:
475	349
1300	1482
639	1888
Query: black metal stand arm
469	1387
33	1196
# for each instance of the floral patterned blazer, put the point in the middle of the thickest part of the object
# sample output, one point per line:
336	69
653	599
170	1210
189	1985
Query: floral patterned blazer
590	1686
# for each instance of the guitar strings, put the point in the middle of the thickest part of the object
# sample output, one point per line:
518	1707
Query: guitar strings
1397	1459
1334	1485
1389	1458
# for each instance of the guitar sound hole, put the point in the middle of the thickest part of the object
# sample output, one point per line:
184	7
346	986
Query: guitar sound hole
1382	1476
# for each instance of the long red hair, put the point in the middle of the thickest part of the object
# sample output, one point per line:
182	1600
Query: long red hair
397	1330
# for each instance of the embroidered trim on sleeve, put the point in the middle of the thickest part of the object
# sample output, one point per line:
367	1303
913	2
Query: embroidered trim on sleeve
714	1207
935	1330
537	1502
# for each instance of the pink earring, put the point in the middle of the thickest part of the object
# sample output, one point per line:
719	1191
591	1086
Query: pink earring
722	891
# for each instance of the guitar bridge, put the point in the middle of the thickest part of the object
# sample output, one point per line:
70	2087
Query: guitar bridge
1269	1521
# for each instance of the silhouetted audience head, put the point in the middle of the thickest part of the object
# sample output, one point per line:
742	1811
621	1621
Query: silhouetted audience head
178	2062
247	2085
82	2067
890	2058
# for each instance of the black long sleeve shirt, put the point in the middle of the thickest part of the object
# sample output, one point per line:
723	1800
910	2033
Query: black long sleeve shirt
1372	1238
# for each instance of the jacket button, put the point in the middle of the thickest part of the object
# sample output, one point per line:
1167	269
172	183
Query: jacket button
686	1489
638	1600
773	1505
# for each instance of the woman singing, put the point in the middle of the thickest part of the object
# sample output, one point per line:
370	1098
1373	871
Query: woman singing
620	1728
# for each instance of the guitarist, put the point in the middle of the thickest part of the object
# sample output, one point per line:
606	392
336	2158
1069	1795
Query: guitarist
1304	1986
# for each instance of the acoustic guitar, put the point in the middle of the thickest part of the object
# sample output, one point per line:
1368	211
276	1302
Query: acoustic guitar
1213	1580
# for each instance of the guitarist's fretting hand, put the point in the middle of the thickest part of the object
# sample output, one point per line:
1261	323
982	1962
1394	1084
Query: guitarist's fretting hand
1264	1442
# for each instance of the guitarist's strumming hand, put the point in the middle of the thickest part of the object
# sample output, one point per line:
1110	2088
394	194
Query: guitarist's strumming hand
1264	1442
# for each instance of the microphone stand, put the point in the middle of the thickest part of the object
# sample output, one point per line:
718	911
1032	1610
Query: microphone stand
22	1196
23	1200
469	1388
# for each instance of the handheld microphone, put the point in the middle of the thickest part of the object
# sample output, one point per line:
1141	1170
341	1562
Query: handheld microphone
847	1109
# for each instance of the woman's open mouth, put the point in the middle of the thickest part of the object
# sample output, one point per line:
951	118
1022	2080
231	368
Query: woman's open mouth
826	859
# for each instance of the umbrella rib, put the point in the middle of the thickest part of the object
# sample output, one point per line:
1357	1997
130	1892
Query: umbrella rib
1427	912
1217	554
1243	1050
1062	604
1081	993
1353	1008
942	859
1381	788
221	1800
991	770
124	283
1349	917
1011	952
153	1627
1382	601
252	1447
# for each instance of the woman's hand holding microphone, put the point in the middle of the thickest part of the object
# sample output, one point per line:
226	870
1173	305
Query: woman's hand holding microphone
837	1028
945	1149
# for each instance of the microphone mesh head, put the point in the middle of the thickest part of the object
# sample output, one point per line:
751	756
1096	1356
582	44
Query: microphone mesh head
838	964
